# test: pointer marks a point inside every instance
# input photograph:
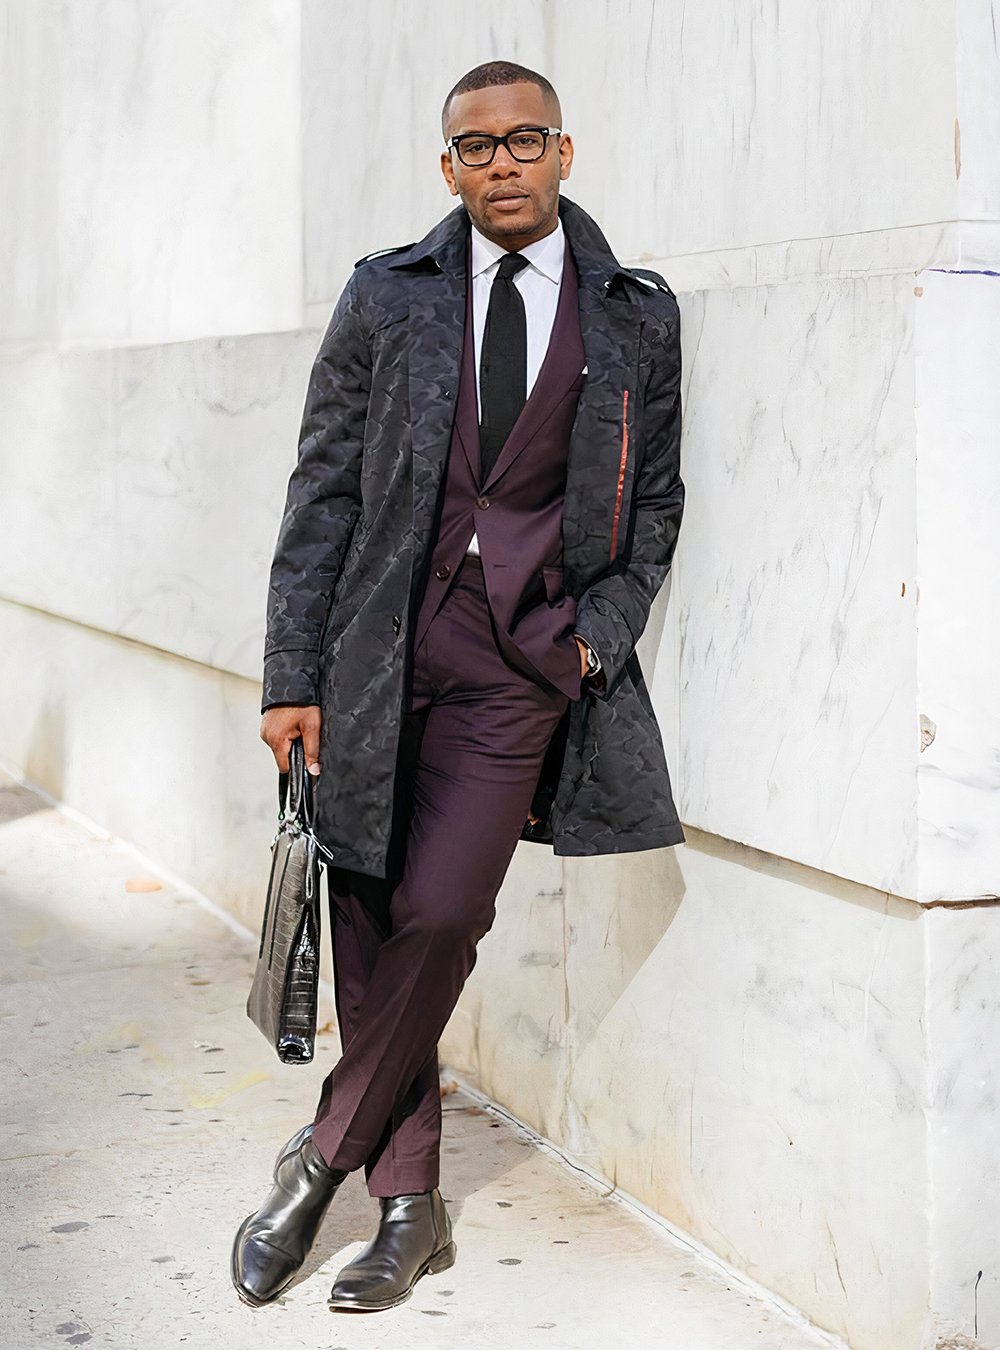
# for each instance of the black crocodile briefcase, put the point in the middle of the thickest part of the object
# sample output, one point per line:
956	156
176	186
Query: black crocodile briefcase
282	1001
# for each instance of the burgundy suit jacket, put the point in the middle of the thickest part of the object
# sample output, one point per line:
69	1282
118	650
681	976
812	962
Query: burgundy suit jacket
517	514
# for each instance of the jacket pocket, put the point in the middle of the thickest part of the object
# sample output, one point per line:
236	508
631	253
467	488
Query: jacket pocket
553	577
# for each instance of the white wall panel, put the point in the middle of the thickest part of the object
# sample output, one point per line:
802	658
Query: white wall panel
719	125
160	751
144	486
794	589
958	619
963	965
152	156
978	113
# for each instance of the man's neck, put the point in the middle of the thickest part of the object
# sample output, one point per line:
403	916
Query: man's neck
514	243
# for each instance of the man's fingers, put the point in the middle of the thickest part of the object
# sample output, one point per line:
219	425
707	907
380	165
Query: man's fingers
311	739
280	749
276	743
311	744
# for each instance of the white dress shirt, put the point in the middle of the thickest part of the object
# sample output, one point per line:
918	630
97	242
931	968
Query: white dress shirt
538	284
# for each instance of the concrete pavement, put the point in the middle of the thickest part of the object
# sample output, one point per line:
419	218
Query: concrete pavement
141	1115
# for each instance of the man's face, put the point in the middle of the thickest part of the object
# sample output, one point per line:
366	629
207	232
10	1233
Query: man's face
513	204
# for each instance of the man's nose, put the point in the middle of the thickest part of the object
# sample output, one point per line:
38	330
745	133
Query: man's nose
504	164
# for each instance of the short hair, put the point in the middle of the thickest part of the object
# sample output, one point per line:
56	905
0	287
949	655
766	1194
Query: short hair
493	73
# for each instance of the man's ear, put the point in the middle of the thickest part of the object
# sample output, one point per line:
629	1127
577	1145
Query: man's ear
565	156
449	172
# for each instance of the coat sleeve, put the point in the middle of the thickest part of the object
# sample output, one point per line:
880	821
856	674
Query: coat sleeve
612	612
321	509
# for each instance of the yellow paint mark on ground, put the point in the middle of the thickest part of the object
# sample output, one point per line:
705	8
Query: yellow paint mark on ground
33	934
129	1033
217	1098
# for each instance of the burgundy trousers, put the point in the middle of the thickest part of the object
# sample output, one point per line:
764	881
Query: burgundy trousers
470	756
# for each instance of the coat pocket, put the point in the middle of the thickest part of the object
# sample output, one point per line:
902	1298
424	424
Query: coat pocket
620	492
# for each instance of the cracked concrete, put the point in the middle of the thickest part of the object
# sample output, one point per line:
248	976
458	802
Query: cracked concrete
141	1116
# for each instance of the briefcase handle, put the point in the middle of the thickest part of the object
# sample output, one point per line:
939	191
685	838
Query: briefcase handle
295	789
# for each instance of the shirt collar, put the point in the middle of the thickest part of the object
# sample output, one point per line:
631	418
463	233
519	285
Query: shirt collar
545	256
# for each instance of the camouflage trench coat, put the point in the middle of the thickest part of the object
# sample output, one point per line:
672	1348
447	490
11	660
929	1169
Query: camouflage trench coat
360	517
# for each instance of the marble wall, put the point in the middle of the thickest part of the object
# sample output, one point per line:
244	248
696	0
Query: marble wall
145	486
161	751
763	1034
152	182
794	595
962	962
958	421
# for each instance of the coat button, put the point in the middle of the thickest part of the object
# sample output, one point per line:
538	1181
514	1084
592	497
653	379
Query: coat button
483	503
396	624
443	572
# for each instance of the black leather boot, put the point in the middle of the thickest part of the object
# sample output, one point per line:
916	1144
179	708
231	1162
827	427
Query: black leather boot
413	1239
272	1244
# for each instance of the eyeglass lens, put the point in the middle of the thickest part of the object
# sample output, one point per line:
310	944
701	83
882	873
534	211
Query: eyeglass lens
524	146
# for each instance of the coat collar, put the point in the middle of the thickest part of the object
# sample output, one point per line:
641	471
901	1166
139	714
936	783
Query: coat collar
597	267
443	249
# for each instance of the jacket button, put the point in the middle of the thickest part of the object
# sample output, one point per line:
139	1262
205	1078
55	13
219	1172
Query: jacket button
396	624
443	572
483	503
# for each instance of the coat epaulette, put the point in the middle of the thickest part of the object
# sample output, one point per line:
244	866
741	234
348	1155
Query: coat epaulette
382	253
652	280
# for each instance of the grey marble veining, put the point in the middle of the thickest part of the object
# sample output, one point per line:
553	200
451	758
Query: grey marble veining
145	485
958	421
151	187
791	668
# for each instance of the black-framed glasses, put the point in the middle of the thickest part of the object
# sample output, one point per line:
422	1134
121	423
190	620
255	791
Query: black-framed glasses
477	149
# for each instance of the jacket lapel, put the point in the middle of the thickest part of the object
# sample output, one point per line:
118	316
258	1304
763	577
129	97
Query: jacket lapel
561	367
467	416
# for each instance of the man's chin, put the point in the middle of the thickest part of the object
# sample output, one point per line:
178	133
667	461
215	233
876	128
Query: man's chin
508	224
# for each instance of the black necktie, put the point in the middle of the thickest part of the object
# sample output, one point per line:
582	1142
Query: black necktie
503	363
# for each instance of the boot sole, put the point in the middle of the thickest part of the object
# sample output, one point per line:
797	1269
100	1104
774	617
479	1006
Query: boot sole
442	1260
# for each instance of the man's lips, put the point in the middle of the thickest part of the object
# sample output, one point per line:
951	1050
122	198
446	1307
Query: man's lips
507	201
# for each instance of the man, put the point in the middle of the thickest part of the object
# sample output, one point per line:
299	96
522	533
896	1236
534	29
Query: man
486	502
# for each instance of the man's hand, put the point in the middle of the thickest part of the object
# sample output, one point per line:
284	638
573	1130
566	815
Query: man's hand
280	727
